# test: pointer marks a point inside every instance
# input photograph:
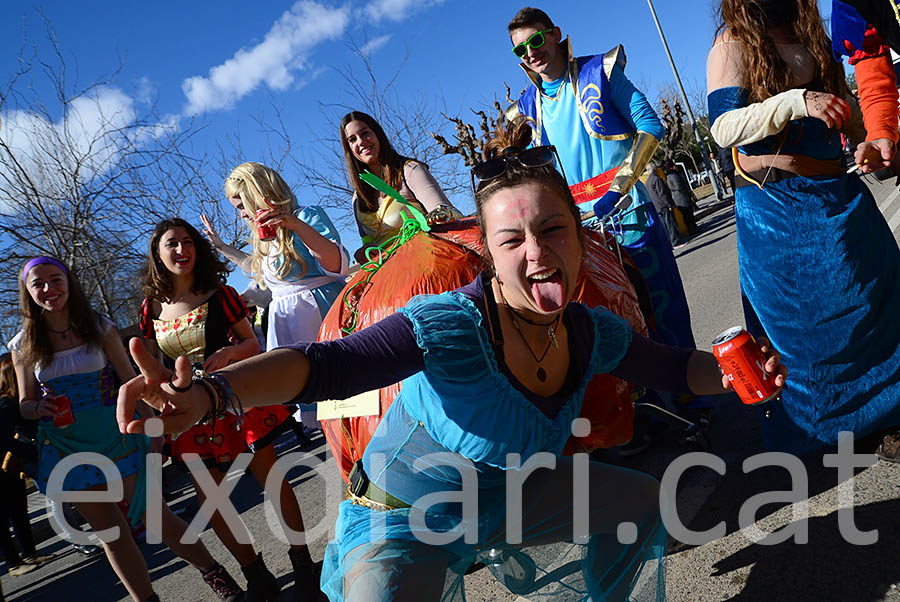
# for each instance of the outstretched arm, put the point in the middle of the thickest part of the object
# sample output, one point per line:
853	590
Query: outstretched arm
380	355
425	186
736	122
235	255
256	381
676	370
878	100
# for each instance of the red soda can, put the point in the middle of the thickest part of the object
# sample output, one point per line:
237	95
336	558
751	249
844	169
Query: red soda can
744	365
64	416
265	232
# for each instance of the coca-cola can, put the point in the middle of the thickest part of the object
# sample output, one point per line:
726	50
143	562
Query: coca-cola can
64	416
744	364
265	232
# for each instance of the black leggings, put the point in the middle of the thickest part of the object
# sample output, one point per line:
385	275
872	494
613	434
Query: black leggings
14	507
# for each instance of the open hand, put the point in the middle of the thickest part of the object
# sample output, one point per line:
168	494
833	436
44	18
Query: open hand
834	111
210	231
178	411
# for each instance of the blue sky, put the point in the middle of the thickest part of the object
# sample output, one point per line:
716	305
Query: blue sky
230	60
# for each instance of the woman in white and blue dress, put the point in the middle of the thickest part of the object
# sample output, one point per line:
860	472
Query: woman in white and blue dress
819	265
304	267
66	349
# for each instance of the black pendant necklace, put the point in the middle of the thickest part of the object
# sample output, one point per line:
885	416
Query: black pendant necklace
541	373
551	326
551	336
64	334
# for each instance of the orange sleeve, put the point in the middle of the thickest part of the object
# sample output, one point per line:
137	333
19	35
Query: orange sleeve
877	84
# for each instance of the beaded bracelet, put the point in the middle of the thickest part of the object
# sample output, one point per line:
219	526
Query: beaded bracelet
230	401
221	395
213	401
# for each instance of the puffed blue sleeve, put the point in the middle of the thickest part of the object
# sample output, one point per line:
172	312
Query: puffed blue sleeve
316	217
633	105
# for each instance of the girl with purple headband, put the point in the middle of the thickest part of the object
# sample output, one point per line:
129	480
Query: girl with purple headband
67	352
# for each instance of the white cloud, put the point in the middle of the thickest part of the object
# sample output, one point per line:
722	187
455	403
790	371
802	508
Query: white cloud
373	46
87	140
395	10
274	62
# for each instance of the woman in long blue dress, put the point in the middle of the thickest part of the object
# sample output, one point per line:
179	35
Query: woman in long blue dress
495	374
819	266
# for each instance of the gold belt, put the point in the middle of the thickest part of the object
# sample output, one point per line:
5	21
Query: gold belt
361	500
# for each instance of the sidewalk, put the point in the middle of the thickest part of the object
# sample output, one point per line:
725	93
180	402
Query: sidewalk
710	204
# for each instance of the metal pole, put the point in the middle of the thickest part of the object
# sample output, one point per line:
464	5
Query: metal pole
687	105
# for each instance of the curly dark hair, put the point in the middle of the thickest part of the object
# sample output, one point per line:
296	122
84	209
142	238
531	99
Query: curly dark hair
210	272
517	135
766	73
83	321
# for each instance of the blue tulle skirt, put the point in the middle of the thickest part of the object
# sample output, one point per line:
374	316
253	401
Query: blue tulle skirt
381	556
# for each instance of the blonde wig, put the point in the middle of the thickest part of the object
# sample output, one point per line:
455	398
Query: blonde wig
260	187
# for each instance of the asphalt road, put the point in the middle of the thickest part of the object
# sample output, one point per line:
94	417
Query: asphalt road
731	567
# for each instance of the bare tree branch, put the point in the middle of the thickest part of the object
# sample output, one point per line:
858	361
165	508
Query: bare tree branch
86	179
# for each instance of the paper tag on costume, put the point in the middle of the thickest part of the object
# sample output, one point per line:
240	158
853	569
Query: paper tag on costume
364	404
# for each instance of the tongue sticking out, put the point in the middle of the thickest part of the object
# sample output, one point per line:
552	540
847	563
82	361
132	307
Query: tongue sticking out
548	294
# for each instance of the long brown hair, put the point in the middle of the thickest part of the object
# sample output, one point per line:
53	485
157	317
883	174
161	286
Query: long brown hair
8	385
209	274
766	73
388	157
517	134
83	321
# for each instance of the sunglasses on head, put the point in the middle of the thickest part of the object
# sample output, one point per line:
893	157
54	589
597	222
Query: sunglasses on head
536	156
535	40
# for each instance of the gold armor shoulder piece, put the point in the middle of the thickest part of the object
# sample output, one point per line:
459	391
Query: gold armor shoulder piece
614	57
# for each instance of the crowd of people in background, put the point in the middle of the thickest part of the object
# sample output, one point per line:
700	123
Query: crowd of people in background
501	365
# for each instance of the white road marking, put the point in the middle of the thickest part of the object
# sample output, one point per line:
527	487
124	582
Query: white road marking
894	217
890	206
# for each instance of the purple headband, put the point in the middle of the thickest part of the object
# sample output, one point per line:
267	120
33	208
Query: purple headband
32	263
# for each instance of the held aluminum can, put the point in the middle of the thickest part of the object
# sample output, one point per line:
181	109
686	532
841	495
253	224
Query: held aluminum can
265	232
744	365
64	416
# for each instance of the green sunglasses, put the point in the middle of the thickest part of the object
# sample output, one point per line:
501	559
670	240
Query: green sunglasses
535	40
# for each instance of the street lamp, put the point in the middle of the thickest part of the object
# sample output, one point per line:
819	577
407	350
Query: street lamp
687	105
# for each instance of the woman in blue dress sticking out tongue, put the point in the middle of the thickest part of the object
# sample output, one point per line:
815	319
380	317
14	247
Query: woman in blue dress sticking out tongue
495	374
